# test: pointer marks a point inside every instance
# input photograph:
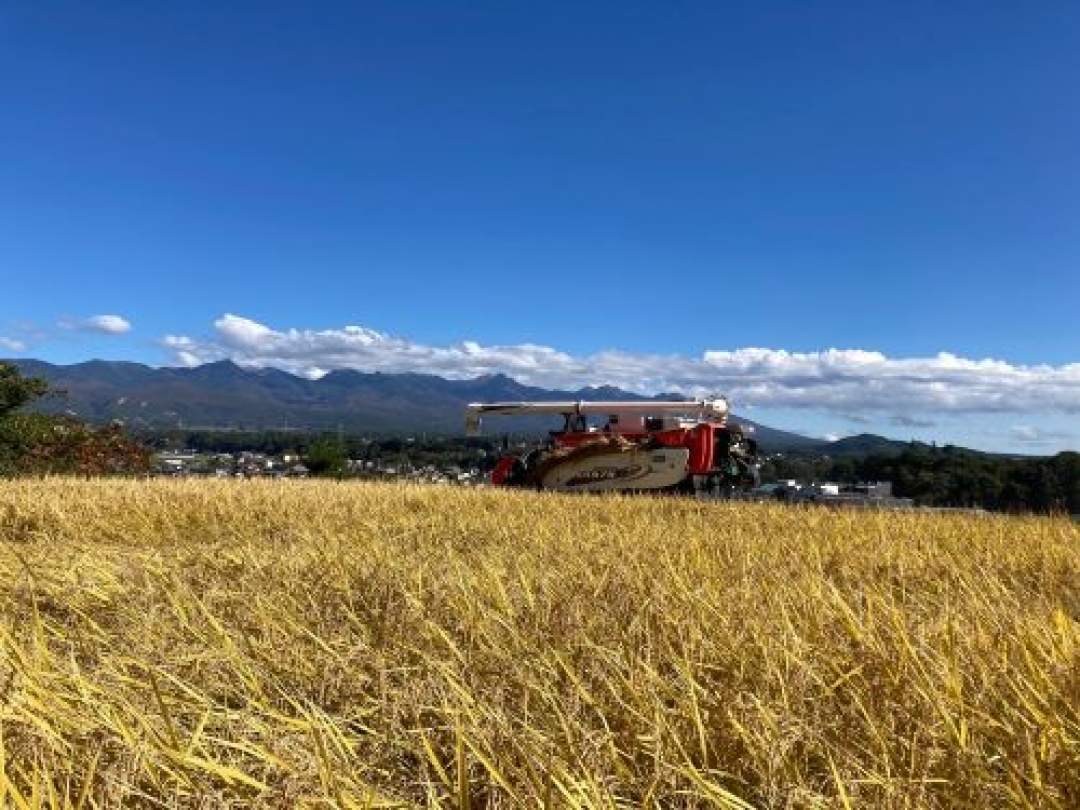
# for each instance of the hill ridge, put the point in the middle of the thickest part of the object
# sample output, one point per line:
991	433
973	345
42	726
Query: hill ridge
226	395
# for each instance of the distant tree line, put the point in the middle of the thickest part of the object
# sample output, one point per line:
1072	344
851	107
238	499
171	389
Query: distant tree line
951	476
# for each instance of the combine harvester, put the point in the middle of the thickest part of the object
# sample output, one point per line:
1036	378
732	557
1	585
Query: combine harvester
647	446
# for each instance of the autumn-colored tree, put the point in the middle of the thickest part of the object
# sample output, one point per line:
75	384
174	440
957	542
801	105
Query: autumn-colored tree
35	443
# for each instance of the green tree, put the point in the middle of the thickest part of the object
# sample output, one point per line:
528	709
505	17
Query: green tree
326	457
17	390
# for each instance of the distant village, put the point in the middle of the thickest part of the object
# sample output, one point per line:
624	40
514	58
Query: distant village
878	494
254	464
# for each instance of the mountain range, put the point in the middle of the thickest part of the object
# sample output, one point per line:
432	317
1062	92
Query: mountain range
223	395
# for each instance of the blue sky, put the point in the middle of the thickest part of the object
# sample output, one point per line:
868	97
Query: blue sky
628	185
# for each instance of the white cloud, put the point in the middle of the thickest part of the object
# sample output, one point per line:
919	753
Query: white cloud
185	350
904	420
1024	433
109	324
12	345
1029	434
105	324
841	381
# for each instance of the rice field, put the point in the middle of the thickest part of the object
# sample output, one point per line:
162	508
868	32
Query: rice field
307	644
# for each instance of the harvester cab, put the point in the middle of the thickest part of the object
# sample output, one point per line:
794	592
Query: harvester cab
683	446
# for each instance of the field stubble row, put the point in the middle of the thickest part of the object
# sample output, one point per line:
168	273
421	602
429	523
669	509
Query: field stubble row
198	644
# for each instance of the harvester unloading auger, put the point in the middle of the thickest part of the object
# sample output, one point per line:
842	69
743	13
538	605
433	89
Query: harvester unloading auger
641	446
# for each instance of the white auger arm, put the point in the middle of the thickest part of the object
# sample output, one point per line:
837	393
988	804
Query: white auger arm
702	409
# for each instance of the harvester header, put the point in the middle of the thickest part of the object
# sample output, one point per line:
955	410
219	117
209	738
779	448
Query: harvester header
700	409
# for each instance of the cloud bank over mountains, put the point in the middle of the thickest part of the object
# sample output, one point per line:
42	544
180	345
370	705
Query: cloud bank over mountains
841	381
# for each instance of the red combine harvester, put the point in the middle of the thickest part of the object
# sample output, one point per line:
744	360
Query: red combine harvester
629	446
